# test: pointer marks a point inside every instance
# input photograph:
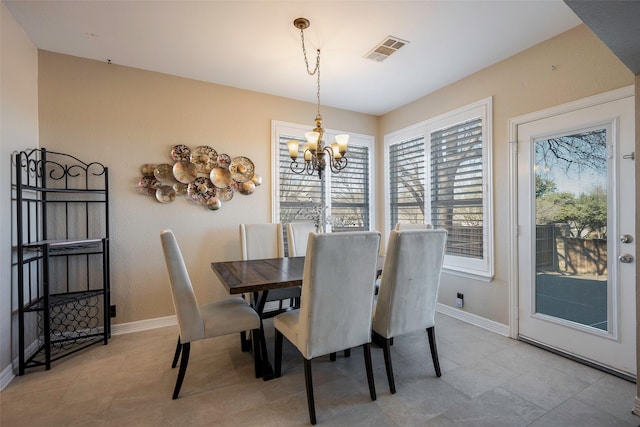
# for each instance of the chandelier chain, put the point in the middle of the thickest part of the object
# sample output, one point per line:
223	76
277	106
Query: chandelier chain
316	70
317	156
318	93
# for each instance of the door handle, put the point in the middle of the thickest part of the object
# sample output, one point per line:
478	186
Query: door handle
626	258
626	238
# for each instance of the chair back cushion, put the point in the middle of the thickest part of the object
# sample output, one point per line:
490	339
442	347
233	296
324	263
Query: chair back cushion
297	237
261	241
403	226
190	320
410	280
337	292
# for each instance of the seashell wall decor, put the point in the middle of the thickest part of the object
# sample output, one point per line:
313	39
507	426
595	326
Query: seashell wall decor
202	175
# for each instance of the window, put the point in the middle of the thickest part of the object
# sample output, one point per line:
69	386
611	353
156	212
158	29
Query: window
350	192
456	186
304	197
450	156
406	181
299	194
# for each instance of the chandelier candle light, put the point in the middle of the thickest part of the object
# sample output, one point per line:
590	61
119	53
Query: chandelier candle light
314	151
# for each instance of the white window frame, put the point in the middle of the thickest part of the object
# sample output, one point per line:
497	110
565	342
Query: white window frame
279	128
412	132
482	269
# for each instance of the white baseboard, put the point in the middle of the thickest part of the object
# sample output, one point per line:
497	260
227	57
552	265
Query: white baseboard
636	406
481	322
6	376
143	325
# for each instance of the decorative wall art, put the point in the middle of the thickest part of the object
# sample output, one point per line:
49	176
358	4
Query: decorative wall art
202	175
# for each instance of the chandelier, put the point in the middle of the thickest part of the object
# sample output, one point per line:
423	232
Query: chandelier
316	155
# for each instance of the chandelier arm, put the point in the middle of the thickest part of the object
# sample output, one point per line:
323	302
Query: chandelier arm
336	165
297	170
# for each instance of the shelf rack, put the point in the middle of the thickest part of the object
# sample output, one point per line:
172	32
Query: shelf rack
62	255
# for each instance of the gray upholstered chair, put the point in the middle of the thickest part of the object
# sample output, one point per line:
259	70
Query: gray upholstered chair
297	236
261	241
336	304
403	226
264	241
409	290
195	322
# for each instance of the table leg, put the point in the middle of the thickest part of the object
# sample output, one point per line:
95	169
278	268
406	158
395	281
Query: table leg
260	299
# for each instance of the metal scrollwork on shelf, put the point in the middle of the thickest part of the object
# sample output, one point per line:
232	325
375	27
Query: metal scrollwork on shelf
66	171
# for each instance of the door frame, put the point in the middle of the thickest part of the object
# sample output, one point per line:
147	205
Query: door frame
513	269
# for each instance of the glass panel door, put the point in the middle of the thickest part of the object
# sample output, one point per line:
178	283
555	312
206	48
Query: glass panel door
571	227
576	231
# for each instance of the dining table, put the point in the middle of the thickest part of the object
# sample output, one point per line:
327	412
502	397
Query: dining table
257	277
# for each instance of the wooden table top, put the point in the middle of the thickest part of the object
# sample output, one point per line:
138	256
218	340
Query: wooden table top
262	274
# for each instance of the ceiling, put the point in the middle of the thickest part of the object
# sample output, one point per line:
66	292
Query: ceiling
253	45
617	24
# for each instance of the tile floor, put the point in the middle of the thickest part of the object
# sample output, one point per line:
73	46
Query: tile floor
487	380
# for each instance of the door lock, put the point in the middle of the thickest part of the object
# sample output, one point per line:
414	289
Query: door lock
626	238
626	258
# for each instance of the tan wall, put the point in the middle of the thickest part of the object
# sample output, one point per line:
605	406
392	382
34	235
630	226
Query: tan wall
19	129
125	117
571	66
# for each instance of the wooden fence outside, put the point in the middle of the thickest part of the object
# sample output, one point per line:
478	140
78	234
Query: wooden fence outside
556	251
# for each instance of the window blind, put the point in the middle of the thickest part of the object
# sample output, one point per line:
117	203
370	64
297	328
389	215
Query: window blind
299	194
350	192
406	181
303	196
457	186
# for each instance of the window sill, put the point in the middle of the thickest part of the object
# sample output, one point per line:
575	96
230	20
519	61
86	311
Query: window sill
475	275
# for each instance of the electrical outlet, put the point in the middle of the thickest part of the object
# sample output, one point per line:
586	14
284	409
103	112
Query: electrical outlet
459	300
112	310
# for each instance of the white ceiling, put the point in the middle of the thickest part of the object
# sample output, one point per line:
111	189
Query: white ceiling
253	45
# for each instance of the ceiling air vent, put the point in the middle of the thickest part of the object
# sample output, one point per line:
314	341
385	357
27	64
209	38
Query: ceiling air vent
383	50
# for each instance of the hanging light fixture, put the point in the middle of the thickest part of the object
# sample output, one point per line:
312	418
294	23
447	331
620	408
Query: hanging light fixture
314	152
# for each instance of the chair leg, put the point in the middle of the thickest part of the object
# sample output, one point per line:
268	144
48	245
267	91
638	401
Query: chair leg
386	348
277	369
308	381
183	368
176	356
434	350
376	338
332	356
245	344
367	364
257	359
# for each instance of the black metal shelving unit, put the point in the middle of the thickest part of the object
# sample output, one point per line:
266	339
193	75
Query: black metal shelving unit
61	208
